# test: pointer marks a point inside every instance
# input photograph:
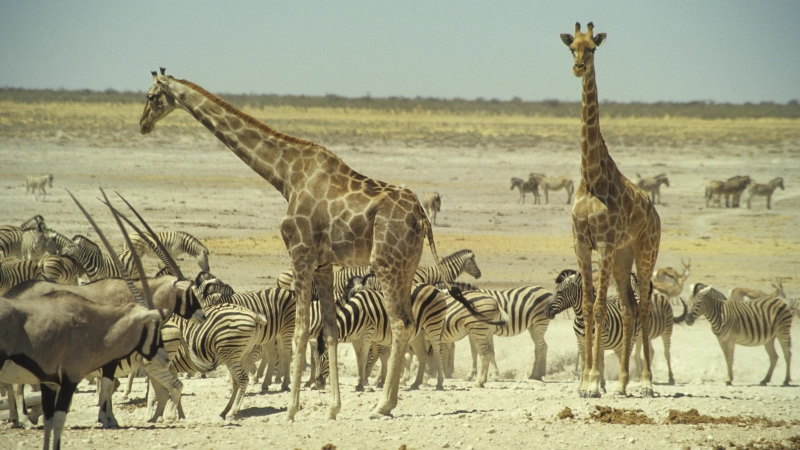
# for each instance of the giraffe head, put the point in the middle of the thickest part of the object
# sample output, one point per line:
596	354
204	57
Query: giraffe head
158	104
582	46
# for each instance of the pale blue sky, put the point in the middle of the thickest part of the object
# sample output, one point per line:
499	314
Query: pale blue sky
682	50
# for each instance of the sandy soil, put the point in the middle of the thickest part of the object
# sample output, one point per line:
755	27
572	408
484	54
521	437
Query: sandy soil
194	184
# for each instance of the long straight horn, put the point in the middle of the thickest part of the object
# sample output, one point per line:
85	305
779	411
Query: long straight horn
136	294
136	260
161	251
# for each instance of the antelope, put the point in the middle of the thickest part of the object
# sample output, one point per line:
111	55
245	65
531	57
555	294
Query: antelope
742	294
56	339
669	289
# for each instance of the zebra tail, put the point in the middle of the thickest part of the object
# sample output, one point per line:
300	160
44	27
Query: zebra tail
682	317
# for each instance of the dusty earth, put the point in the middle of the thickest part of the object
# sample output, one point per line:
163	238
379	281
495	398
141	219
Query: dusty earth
194	184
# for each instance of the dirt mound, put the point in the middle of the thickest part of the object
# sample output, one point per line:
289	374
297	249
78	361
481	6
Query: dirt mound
618	416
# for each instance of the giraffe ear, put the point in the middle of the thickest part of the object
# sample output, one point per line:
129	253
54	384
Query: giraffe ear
599	39
567	39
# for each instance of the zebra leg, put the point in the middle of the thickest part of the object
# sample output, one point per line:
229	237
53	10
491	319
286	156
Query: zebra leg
487	353
727	350
13	414
474	351
236	373
419	349
786	346
285	354
773	360
637	359
540	356
361	347
666	338
167	389
436	359
312	366
448	359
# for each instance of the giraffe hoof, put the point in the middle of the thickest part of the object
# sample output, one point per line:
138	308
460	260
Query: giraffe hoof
589	394
439	387
648	393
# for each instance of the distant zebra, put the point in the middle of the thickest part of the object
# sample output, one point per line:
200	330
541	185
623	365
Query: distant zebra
733	189
525	187
553	184
60	269
277	306
36	185
13	273
227	337
95	263
526	310
34	223
16	242
758	322
432	202
568	294
714	192
652	185
177	243
764	190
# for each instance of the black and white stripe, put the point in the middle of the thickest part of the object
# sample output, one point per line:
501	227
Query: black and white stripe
37	185
462	261
14	272
95	263
177	243
758	322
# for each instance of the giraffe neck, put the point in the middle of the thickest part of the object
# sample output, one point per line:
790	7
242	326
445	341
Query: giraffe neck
596	164
268	152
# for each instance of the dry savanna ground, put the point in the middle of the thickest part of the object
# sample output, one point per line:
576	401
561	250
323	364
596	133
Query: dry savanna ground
181	178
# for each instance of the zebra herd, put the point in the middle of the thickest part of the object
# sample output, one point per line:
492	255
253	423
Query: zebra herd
731	189
206	324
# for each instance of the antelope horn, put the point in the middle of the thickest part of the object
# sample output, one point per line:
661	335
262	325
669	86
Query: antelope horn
163	70
143	298
156	245
155	75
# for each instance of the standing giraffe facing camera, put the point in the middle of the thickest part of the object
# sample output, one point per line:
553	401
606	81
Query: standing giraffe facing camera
335	216
614	217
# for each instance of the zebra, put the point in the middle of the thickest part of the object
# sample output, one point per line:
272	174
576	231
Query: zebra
19	243
340	278
652	185
453	265
34	223
177	243
553	184
764	190
568	294
96	264
61	269
524	187
14	272
36	185
714	192
758	322
432	202
278	307
227	337
526	310
733	188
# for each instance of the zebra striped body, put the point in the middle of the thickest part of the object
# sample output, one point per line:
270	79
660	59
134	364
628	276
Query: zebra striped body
525	307
714	192
228	336
568	295
177	243
453	265
432	202
13	273
36	185
277	306
758	322
652	185
553	184
19	243
95	263
460	322
34	223
525	187
340	278
764	190
60	269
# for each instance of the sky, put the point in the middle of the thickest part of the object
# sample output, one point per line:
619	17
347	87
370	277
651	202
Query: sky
725	51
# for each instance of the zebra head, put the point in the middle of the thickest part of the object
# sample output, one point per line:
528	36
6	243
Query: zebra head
470	266
567	294
697	309
357	283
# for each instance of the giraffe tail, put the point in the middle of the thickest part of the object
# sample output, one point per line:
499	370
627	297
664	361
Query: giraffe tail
454	291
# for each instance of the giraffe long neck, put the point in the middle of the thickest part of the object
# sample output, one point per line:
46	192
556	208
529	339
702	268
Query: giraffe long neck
268	152
595	161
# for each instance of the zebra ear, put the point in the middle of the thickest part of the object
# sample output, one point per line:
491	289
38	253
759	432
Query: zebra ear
566	273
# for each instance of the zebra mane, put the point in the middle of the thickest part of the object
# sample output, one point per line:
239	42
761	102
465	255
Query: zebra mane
566	273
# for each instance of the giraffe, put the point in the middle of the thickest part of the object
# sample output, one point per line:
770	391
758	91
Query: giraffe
335	216
614	217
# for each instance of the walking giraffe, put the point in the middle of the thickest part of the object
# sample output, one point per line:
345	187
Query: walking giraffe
617	219
335	216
